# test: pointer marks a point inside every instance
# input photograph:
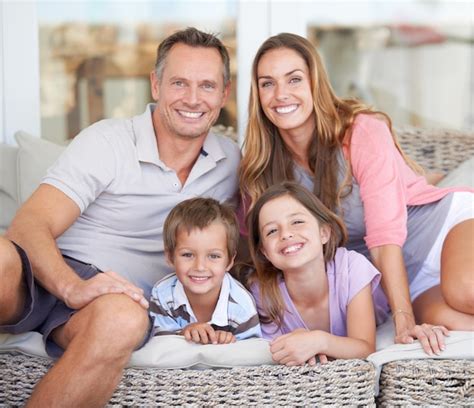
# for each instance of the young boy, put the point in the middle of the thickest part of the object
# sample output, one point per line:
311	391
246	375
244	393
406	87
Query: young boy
201	300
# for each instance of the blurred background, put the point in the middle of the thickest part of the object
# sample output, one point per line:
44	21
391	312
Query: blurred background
66	64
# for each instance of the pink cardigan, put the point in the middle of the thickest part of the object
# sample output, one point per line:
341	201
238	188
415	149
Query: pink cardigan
387	184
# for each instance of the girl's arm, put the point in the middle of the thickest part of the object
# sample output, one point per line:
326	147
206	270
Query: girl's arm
298	347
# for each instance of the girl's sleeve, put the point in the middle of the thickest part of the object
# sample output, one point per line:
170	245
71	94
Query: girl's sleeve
377	169
270	330
361	273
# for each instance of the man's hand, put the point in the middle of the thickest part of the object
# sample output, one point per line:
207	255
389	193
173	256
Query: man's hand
82	292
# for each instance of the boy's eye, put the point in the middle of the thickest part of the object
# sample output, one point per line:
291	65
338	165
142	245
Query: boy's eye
187	255
298	222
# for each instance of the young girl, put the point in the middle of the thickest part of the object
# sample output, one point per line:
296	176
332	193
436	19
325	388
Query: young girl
313	297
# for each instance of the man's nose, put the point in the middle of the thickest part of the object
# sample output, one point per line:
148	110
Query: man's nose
191	96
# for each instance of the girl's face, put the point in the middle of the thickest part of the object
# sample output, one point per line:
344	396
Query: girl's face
291	237
284	89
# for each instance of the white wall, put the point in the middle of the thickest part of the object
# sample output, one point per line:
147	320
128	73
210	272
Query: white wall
19	70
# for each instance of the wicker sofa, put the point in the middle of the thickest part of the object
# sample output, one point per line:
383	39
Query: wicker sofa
342	382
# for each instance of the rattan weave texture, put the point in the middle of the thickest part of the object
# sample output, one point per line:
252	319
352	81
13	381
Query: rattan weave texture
436	150
339	383
427	382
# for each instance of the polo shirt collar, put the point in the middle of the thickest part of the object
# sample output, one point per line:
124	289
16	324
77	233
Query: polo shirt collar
147	148
220	315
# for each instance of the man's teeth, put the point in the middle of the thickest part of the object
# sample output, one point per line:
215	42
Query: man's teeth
286	109
293	248
191	115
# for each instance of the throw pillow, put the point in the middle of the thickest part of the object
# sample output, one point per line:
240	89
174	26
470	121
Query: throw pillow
34	158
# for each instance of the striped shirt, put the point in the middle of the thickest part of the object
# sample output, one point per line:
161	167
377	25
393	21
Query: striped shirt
235	311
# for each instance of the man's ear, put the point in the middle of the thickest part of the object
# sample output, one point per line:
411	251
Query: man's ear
169	258
155	85
324	233
226	93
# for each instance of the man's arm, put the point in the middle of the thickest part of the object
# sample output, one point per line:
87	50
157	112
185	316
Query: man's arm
45	216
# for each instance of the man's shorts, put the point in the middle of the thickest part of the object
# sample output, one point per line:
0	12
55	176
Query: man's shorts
43	311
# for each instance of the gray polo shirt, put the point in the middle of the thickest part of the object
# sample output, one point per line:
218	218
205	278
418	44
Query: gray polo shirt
113	172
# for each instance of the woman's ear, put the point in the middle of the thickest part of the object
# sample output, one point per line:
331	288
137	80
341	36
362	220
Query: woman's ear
324	233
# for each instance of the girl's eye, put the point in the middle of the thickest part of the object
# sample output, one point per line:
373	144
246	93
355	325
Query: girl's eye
270	232
215	256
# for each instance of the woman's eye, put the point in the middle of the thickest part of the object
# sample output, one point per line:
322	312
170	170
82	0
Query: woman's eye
265	84
295	80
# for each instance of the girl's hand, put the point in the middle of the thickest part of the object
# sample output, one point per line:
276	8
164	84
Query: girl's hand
201	333
298	347
323	359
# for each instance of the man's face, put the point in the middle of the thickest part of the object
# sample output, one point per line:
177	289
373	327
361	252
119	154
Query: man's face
191	91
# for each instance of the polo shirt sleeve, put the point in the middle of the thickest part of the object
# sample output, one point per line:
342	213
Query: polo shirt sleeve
248	323
160	313
84	169
375	163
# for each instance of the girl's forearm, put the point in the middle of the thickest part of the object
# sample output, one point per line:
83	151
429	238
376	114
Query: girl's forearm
343	347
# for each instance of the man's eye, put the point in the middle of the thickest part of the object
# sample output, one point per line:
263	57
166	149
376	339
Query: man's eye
208	86
178	83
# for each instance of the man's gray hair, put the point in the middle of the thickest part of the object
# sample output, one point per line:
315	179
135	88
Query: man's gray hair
194	38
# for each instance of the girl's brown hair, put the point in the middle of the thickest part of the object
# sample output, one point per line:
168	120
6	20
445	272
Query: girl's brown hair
267	274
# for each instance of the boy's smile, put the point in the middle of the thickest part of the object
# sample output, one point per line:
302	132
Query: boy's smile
201	260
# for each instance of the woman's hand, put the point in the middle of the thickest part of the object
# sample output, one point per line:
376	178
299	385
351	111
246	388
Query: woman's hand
299	347
430	337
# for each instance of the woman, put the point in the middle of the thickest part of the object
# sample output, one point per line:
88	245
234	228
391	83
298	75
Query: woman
420	237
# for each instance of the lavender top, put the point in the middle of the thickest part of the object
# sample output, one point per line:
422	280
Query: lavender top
348	273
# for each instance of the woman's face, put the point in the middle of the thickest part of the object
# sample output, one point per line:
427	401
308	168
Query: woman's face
284	89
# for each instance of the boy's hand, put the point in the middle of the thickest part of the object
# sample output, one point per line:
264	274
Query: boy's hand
224	337
201	333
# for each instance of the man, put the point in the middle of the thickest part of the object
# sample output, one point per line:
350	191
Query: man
101	207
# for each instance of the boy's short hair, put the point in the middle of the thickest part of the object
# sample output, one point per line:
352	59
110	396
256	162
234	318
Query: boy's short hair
200	213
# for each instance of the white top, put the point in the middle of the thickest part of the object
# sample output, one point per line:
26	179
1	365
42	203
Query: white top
112	171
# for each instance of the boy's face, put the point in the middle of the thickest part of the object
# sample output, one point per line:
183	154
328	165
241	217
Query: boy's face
201	260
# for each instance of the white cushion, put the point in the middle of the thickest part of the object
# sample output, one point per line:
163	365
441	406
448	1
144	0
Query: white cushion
165	352
35	156
8	185
463	175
